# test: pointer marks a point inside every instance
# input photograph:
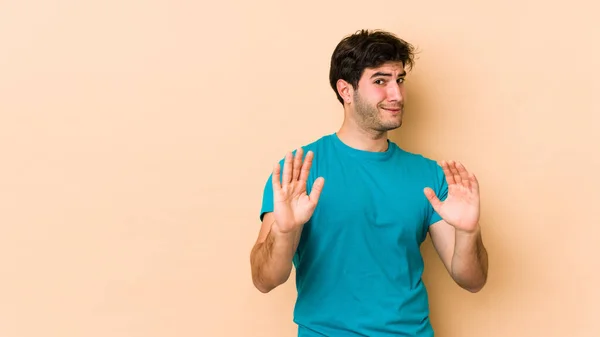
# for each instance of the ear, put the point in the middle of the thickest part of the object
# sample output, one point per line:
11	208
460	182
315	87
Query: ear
345	90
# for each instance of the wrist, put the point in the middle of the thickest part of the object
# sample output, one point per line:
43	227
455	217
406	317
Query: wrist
285	235
469	233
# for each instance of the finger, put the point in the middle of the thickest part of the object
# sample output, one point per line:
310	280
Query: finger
447	173
454	171
306	166
287	170
275	177
474	182
316	190
297	164
464	175
433	199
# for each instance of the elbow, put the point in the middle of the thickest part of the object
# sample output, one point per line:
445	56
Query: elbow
471	280
267	276
472	283
263	288
259	281
263	285
473	287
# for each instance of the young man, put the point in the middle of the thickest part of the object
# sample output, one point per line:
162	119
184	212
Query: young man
351	209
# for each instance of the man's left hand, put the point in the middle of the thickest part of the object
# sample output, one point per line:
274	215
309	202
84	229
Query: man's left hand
461	207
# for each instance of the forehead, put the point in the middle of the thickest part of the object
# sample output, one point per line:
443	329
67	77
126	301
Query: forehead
392	68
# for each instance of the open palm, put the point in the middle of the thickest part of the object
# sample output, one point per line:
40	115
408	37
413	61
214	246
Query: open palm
461	207
293	207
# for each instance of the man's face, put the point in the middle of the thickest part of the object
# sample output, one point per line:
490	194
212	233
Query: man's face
379	99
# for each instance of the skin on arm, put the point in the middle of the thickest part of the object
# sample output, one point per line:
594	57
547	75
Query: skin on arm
272	254
457	237
462	253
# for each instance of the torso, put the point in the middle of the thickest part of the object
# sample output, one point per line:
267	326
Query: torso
358	263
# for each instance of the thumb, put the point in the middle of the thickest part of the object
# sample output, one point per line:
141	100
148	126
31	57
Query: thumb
316	190
433	199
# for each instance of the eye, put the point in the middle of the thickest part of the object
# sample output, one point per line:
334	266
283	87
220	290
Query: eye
400	80
379	81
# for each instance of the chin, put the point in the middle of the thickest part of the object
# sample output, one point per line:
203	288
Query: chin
390	123
391	126
388	127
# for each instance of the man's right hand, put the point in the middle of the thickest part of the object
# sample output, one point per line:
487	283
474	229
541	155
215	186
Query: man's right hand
293	207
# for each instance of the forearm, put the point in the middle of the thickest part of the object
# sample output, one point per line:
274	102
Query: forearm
271	260
470	261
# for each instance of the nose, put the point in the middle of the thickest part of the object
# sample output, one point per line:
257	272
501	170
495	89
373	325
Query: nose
395	92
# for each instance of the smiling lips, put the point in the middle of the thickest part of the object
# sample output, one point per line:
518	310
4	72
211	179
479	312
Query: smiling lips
392	109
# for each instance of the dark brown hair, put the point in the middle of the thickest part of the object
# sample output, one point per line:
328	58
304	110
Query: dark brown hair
366	49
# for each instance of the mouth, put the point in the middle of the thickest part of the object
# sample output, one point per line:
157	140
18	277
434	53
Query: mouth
393	110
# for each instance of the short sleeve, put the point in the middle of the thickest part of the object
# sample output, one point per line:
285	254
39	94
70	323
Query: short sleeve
267	198
441	191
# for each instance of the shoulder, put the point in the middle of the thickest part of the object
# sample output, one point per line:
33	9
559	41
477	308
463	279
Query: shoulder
318	145
416	160
421	167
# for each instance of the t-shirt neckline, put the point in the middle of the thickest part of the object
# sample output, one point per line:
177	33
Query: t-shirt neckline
363	154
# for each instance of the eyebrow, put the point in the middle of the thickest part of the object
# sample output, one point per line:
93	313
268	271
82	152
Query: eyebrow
379	73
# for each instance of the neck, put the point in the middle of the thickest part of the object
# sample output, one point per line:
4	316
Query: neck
362	139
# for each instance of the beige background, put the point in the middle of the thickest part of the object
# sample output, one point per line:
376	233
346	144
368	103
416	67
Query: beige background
136	138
